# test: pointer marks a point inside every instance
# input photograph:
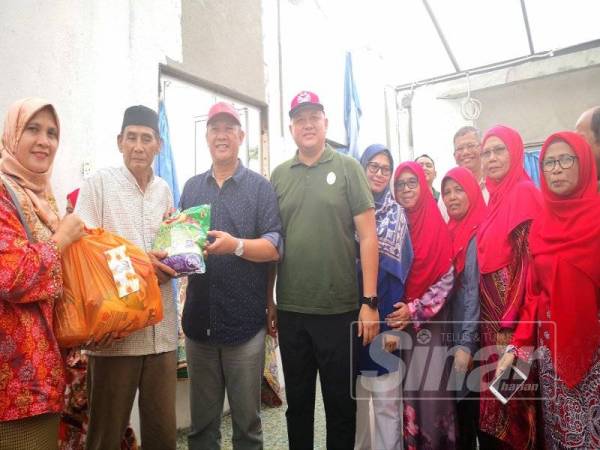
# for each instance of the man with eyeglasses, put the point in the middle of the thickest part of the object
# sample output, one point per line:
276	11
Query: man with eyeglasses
324	199
588	125
467	154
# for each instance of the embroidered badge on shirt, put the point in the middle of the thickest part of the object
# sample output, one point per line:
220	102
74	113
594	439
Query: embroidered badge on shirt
331	178
122	271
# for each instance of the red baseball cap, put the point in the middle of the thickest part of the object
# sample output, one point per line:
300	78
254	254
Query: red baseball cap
304	99
223	108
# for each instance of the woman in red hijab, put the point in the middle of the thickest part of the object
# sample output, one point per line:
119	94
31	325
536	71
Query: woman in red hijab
429	408
466	208
563	295
503	262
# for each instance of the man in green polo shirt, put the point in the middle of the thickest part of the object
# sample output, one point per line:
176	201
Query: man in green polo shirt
324	201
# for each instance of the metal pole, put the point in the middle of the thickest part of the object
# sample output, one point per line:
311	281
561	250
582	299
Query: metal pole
280	60
441	35
527	29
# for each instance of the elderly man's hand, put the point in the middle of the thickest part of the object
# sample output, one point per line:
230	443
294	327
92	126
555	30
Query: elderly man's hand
105	342
168	213
163	272
368	324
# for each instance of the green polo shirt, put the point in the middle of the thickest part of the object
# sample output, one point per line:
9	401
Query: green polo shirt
317	205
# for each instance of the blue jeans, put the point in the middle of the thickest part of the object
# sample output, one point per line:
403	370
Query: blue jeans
212	369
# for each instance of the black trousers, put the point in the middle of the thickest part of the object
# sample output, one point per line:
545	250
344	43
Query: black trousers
467	415
327	344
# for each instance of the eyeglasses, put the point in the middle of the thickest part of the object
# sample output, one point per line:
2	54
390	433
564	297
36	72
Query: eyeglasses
497	151
470	147
564	161
373	168
412	183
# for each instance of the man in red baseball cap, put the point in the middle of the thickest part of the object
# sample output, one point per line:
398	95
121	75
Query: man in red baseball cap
305	99
223	109
324	199
224	135
224	318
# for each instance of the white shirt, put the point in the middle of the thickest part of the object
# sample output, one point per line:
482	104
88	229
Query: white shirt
111	199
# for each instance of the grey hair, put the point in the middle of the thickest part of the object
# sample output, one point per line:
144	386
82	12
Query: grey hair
466	130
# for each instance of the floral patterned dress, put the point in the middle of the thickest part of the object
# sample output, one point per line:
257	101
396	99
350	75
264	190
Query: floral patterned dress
429	409
32	377
571	415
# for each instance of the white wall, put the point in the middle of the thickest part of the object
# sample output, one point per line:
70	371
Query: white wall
92	59
434	122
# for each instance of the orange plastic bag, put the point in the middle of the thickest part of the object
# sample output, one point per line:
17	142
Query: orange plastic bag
90	305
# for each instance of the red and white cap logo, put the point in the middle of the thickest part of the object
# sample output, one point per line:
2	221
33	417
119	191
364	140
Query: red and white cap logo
305	98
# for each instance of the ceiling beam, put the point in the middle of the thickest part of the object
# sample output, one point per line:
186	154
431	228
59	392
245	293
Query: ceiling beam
501	64
441	35
527	28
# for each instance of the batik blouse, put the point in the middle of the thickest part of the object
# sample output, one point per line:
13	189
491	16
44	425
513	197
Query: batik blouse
32	376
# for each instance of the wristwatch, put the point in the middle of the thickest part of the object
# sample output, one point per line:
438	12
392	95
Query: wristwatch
371	302
239	250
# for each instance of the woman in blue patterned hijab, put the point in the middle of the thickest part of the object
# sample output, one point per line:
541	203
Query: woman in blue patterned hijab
379	361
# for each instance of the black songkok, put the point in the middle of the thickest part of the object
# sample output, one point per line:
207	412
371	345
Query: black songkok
140	115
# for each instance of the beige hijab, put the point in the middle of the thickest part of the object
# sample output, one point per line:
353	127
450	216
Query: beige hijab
36	185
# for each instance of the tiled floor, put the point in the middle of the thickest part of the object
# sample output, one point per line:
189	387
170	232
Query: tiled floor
274	428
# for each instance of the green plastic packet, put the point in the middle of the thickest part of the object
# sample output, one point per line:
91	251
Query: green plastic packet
183	236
